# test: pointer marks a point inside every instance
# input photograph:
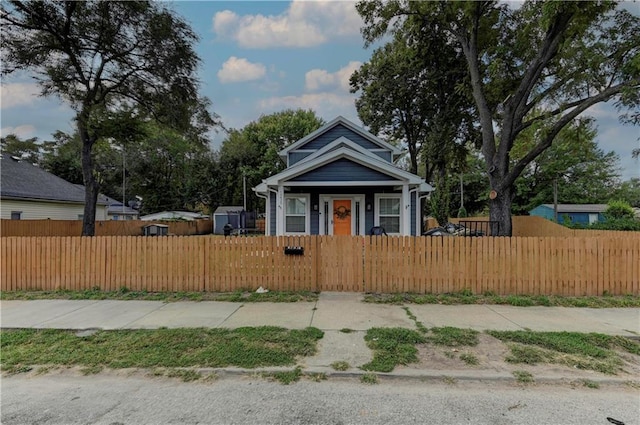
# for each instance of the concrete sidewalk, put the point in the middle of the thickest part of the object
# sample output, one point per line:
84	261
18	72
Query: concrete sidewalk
332	313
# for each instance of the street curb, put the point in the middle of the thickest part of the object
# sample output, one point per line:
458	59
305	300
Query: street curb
447	376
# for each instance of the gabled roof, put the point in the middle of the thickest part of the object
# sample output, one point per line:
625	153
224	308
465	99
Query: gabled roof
22	180
340	120
368	160
579	208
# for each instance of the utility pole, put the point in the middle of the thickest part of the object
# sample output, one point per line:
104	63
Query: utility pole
123	182
555	199
244	190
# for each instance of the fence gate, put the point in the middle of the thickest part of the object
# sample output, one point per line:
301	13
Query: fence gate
340	261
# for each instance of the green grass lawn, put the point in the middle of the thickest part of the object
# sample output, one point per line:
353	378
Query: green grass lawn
248	347
466	297
126	294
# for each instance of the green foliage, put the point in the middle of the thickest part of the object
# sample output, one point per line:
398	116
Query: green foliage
410	94
340	365
253	152
535	67
392	346
285	377
523	376
453	337
584	173
175	348
516	300
462	212
369	378
28	149
113	63
617	209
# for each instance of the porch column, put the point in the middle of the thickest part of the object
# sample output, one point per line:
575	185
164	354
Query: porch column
406	210
280	211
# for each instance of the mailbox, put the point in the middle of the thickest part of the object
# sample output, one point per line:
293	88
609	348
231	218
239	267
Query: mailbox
294	250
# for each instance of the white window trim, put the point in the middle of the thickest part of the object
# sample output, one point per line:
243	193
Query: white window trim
307	213
376	219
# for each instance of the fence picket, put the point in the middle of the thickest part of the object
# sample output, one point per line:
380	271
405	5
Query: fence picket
520	265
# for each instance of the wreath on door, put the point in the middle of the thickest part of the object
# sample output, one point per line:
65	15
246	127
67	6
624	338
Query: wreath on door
342	212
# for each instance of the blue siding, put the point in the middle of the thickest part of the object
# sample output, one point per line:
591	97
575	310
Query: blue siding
335	133
342	170
329	136
272	213
386	155
542	211
296	156
574	217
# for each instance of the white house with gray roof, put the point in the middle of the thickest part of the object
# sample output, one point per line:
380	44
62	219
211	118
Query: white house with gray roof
28	192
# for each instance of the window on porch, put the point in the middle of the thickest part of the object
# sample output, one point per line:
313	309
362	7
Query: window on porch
389	213
295	219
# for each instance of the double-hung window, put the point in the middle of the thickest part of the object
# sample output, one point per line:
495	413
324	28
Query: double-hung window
296	217
389	213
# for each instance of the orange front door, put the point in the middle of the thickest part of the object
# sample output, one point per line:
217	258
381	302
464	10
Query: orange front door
342	216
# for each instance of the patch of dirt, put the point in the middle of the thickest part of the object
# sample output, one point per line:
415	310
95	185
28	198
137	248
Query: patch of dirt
491	352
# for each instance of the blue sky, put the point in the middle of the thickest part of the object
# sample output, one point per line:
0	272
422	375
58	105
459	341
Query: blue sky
260	57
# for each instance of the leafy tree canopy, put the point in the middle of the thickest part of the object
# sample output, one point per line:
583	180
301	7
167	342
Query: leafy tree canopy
107	57
252	152
545	62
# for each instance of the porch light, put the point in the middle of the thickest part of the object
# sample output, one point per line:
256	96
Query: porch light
368	206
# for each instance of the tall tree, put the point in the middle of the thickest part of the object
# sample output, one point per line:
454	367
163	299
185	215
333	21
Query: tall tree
27	149
102	57
582	172
252	152
170	171
545	62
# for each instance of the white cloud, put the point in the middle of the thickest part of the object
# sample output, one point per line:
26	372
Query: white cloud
18	94
236	70
303	24
326	105
320	79
25	131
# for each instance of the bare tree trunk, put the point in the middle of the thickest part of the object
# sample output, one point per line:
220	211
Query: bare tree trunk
90	183
500	208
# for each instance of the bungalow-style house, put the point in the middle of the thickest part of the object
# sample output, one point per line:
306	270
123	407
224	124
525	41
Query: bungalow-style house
28	192
584	214
341	180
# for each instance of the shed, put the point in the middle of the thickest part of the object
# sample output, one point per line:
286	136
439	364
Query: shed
584	214
155	230
226	215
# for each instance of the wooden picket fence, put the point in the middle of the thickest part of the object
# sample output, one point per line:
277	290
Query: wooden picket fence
573	266
103	227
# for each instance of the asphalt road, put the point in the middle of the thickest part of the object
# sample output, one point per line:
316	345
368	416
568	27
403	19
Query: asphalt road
115	400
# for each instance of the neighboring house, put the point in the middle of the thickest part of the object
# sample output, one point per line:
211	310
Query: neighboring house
116	210
28	192
341	180
577	213
174	215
